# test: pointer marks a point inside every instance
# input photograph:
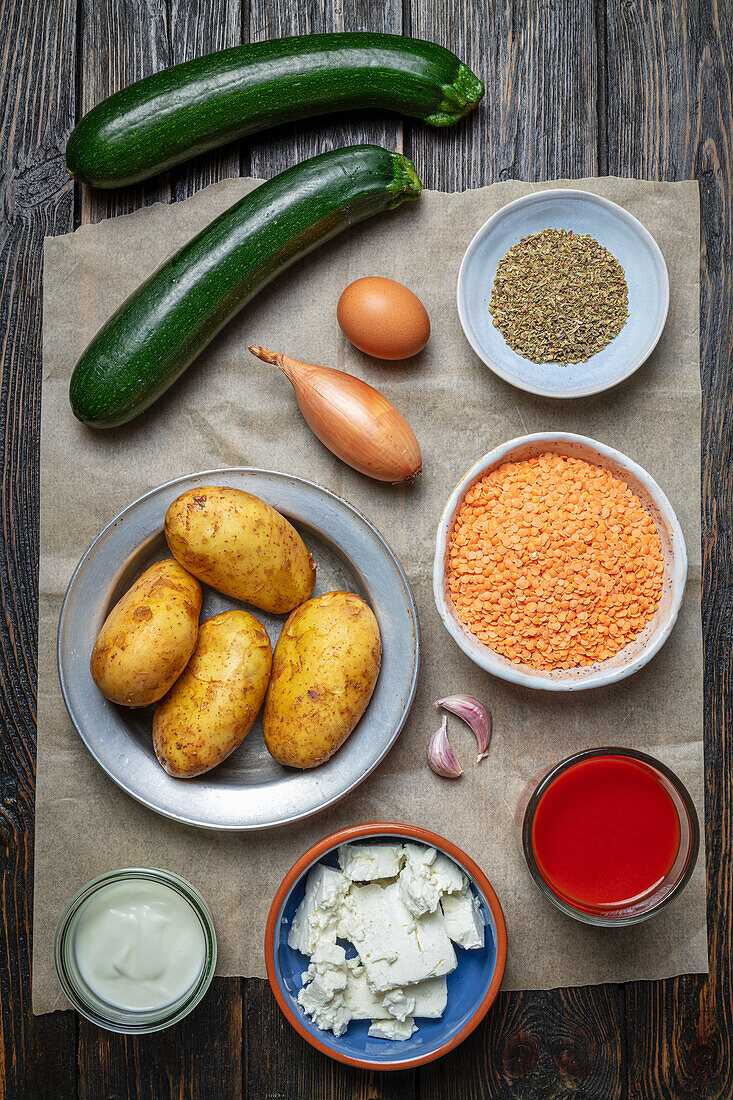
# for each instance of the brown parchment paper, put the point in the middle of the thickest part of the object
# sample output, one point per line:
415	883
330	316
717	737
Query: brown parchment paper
230	410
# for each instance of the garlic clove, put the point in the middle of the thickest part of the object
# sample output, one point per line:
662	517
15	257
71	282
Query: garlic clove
441	757
474	714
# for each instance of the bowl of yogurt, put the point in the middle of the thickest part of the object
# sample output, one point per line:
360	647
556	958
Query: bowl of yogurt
385	946
135	950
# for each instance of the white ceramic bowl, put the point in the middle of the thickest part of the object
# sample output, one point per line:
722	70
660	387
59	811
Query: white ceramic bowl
638	652
614	228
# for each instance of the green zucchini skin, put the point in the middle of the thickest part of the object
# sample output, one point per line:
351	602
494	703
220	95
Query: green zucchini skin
161	328
183	111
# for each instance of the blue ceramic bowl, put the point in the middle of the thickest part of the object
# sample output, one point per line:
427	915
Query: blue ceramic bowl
614	228
472	986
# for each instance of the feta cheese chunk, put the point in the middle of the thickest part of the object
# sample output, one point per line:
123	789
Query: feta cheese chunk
464	920
316	918
392	1029
426	876
322	996
398	1004
427	999
358	997
365	862
396	948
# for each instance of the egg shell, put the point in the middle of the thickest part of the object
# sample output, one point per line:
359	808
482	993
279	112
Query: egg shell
383	318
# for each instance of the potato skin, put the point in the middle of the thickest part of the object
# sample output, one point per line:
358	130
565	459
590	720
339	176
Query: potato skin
324	671
241	546
148	636
212	706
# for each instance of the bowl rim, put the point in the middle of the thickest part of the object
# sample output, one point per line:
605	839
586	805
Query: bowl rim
544	195
413	832
533	679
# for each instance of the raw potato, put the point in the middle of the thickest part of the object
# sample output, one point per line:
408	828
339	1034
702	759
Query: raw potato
324	670
241	546
148	636
212	706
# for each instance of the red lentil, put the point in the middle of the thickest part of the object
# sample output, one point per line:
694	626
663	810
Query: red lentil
554	562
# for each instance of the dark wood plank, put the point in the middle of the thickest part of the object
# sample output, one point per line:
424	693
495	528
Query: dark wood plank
198	27
272	152
669	96
278	1062
538	120
122	41
282	1066
37	97
538	117
198	1058
549	1044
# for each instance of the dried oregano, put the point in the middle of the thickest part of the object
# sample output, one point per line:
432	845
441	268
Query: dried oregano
559	297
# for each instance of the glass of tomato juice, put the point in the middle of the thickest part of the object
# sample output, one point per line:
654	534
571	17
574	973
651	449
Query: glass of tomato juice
610	835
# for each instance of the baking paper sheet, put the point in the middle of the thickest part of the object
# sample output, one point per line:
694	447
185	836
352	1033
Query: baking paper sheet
232	410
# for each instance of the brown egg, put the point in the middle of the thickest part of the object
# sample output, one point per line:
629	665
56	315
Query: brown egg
383	318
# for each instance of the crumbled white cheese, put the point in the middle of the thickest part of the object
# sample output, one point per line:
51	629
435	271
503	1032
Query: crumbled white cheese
417	900
322	994
427	999
464	921
426	876
396	948
366	862
398	1004
392	1029
316	918
359	999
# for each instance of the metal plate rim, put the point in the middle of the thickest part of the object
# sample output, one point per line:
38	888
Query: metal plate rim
339	503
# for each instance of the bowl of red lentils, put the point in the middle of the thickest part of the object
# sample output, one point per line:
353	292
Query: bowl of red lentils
559	564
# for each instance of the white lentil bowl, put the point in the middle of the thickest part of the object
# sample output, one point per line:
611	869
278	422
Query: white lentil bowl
651	639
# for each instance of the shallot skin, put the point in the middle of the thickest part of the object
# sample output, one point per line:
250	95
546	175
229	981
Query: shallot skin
355	421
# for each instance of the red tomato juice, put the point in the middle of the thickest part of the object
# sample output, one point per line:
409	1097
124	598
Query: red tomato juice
605	833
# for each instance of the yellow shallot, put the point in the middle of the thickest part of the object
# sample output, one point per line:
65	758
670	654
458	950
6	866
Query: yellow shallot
355	421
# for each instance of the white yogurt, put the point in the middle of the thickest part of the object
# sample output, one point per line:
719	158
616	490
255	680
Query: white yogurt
139	944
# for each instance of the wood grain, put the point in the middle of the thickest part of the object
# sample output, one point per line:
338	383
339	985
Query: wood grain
550	1044
120	41
538	118
124	40
278	149
282	1065
669	95
200	1057
574	87
36	199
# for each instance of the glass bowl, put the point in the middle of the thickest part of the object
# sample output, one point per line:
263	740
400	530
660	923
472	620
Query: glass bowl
87	1002
662	894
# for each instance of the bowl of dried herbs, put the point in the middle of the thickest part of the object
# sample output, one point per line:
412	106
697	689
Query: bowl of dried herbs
563	293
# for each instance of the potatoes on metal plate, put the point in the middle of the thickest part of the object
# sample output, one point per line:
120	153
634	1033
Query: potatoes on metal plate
148	636
212	706
324	670
238	544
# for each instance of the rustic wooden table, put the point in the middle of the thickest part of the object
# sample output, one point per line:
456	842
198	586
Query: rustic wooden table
574	88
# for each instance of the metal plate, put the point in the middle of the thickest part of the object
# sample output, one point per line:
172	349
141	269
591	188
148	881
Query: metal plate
249	790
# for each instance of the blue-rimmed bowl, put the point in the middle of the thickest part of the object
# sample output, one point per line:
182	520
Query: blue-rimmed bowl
614	228
472	987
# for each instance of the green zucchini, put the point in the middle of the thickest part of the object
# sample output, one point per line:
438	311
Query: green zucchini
161	328
183	111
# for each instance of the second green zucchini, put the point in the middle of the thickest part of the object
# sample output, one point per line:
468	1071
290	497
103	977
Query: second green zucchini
171	318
